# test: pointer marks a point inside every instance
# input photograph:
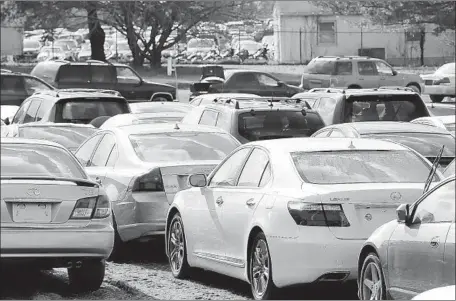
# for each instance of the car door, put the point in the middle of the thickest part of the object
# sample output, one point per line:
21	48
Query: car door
103	77
448	258
245	82
129	84
386	76
32	110
239	207
368	76
96	166
209	242
416	250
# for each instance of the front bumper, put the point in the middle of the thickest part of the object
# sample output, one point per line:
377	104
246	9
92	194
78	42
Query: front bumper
95	240
440	90
312	255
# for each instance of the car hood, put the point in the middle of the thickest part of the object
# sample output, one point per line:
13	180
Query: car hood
158	84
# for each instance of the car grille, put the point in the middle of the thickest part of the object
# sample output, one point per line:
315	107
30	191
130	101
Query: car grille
428	82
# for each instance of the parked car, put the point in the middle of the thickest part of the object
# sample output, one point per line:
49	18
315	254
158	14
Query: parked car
160	107
341	106
441	83
206	99
439	293
52	214
85	53
70	106
273	209
444	122
355	72
413	253
450	169
68	135
256	120
54	53
102	75
143	166
424	139
141	118
31	49
16	87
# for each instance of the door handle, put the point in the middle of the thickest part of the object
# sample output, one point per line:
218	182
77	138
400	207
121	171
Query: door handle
435	242
250	202
219	201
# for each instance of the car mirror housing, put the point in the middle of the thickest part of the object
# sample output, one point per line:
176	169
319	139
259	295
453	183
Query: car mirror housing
197	180
402	213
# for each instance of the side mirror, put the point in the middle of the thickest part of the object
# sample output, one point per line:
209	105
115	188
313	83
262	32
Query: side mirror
7	121
394	72
402	213
197	180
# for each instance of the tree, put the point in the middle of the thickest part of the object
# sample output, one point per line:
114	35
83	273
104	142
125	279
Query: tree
96	33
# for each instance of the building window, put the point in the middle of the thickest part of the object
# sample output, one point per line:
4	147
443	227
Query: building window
327	33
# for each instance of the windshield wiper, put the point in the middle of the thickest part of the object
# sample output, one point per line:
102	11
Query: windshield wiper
433	170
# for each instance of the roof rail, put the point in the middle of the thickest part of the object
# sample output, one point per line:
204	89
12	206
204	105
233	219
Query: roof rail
78	90
296	101
397	88
327	90
6	71
95	61
60	61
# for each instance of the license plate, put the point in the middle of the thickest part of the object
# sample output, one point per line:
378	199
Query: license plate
31	213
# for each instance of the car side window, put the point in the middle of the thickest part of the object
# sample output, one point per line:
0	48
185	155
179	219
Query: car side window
74	74
253	170
42	110
32	110
383	68
243	80
336	134
326	109
438	206
224	121
266	80
84	153
20	114
104	148
126	76
344	68
227	174
32	85
103	74
208	118
322	134
367	68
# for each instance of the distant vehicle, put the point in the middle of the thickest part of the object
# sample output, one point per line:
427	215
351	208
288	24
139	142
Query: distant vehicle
16	87
441	83
354	105
141	118
160	107
355	72
85	53
415	252
31	49
70	106
102	75
202	46
68	135
206	99
440	293
143	166
444	122
271	209
53	53
425	140
251	46
53	215
72	44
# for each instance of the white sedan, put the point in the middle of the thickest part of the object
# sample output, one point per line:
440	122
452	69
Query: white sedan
441	83
293	211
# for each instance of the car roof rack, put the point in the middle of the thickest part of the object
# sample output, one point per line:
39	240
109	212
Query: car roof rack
327	90
397	88
338	57
55	93
261	102
296	101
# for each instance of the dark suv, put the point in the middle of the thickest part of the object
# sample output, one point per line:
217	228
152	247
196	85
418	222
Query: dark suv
101	75
70	106
16	87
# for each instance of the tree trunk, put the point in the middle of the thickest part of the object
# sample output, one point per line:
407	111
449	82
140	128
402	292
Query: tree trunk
422	41
156	57
96	33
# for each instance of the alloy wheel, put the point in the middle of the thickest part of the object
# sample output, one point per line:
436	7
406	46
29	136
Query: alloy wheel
372	285
260	269
176	246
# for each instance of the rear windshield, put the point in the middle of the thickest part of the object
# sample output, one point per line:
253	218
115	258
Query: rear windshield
428	145
34	160
70	137
186	146
320	67
384	108
159	108
85	110
263	125
351	167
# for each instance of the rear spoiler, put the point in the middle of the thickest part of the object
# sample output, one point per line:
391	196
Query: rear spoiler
200	87
79	182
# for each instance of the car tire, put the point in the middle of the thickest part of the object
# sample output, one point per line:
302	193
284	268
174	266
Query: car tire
436	98
371	280
177	248
88	277
260	269
415	88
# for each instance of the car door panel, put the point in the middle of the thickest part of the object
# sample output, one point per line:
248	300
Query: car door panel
449	258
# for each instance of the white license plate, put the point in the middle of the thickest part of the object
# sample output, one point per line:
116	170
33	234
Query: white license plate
31	213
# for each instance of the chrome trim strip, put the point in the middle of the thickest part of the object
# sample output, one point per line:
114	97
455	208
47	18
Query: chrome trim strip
221	259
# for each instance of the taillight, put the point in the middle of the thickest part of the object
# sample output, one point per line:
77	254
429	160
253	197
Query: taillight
151	181
318	215
444	80
93	207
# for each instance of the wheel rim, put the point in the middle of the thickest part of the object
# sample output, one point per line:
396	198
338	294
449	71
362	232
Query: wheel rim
372	282
260	268
176	247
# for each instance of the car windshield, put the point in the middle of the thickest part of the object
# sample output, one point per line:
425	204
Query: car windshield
384	108
32	44
33	160
70	137
325	67
426	144
84	111
450	170
159	108
357	166
263	125
184	146
200	43
447	69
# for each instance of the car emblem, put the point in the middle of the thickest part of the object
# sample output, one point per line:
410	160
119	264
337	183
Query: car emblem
395	196
368	217
33	192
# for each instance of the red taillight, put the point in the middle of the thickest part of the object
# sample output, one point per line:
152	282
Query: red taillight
444	80
151	181
318	215
93	207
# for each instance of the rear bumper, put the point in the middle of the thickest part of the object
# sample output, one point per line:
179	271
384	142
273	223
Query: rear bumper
92	241
440	90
